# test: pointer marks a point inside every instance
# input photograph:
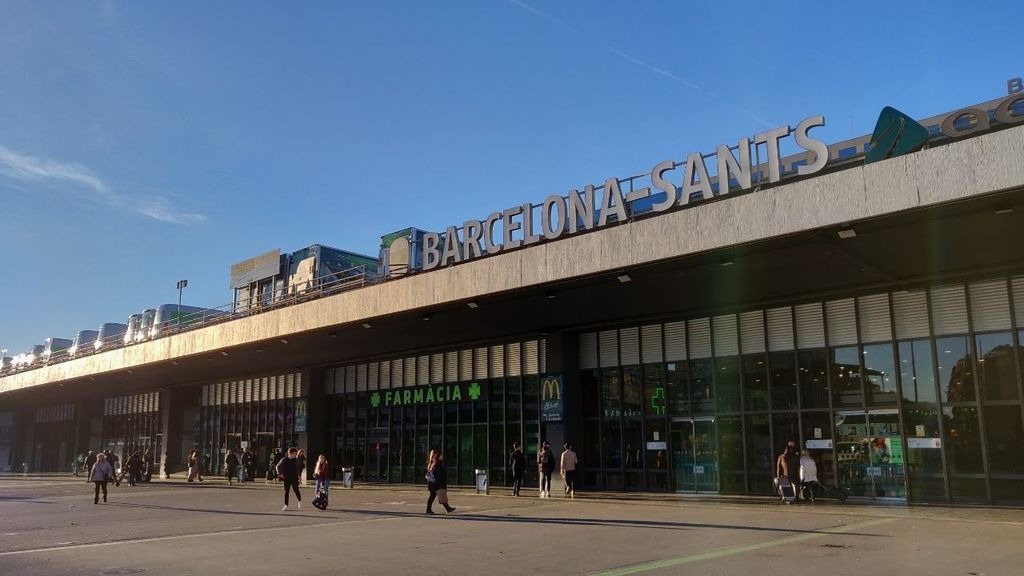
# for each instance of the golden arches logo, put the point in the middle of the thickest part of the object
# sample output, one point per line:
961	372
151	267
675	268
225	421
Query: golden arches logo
552	389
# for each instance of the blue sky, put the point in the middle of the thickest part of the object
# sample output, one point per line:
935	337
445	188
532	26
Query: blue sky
145	142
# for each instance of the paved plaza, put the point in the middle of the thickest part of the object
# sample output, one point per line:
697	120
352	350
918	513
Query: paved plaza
49	525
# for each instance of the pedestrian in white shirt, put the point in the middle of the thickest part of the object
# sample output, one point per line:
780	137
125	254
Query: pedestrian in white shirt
808	475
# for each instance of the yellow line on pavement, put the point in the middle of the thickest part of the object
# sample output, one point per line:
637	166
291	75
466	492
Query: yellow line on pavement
742	549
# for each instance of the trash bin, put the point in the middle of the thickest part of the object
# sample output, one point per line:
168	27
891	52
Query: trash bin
482	486
346	477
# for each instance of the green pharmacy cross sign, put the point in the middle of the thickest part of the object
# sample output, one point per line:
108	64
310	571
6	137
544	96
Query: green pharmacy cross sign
658	402
434	394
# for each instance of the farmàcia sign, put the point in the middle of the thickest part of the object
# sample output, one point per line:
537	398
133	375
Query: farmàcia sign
566	215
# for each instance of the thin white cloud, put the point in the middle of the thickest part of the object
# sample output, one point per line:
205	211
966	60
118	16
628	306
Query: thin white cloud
25	167
636	61
81	180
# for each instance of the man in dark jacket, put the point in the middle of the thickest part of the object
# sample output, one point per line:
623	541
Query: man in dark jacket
288	471
89	461
132	468
248	465
517	461
231	466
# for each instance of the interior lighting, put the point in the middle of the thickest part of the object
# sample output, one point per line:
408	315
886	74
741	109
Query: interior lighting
623	278
425	317
223	353
550	295
726	262
1003	210
283	340
847	233
473	305
367	325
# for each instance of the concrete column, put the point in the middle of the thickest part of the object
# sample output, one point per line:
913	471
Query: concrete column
174	404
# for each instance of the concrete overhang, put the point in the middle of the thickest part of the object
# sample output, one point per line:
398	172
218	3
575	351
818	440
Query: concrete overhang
964	170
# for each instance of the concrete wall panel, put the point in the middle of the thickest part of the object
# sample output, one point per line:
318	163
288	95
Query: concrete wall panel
972	167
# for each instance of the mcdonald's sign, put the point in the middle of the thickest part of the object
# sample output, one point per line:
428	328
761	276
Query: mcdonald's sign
552	394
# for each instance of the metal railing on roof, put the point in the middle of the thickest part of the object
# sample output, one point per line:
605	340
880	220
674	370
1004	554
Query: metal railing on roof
330	284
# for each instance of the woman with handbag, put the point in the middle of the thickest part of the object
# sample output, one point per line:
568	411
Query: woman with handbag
437	481
322	473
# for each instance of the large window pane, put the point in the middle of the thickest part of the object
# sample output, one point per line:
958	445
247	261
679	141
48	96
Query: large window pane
879	375
963	440
631	390
755	382
654	390
531	399
924	454
997	377
634	453
702	381
818	426
813	373
678	389
783	377
759	454
590	455
590	388
514	394
611	393
657	455
730	454
846	385
611	444
784	428
1005	437
956	375
917	373
727	384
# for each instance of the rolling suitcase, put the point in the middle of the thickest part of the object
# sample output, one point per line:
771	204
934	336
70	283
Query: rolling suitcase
785	489
321	500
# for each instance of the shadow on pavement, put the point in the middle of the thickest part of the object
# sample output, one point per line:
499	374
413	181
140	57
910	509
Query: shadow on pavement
653	524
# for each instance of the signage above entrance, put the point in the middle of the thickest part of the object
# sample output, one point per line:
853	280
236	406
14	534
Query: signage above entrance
616	201
439	393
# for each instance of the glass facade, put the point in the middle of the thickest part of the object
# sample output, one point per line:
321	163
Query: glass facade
472	404
132	424
911	394
264	414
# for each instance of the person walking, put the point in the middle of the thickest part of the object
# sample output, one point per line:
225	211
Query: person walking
272	465
90	459
545	467
517	461
437	482
231	466
248	466
193	465
131	468
322	474
808	475
100	473
147	466
78	463
288	472
302	466
788	466
112	459
568	469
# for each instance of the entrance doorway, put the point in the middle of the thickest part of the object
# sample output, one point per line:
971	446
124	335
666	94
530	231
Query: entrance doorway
694	444
870	455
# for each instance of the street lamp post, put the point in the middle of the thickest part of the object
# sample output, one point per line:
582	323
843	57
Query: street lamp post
181	286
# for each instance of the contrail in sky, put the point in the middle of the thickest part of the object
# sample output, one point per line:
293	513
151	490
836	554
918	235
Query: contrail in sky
636	61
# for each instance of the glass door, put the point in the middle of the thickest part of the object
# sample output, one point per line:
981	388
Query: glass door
870	455
694	446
